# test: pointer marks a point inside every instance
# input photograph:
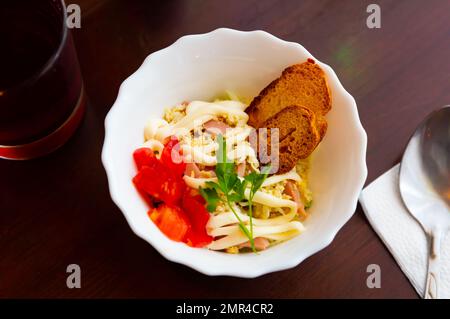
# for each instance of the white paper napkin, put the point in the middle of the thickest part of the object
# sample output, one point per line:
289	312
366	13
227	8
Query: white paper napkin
401	233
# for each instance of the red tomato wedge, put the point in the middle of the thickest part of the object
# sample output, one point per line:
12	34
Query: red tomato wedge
171	220
194	206
182	215
171	157
160	184
144	157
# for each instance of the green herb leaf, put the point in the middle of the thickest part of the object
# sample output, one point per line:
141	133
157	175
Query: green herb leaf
255	180
213	185
239	188
235	197
247	233
232	188
225	168
211	197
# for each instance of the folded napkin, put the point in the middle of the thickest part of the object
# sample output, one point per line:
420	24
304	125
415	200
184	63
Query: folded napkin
401	233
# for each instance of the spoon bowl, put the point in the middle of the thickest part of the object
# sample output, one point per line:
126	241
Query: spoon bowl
425	185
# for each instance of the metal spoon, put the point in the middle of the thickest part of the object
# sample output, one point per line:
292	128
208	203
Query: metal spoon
425	185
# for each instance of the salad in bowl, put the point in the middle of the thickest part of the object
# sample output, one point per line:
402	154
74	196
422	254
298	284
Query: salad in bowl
225	152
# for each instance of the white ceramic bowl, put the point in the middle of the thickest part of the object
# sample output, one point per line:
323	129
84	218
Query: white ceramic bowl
199	67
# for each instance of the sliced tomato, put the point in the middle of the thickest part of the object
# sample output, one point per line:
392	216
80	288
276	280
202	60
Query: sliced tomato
171	220
198	216
144	157
196	239
147	198
160	184
172	158
182	216
194	193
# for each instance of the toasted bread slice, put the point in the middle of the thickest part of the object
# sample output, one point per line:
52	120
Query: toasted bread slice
298	137
321	125
300	84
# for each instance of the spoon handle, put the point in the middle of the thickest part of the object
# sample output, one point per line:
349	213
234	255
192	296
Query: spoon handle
432	285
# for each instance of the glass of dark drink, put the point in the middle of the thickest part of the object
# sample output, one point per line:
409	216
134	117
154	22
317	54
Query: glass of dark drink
42	100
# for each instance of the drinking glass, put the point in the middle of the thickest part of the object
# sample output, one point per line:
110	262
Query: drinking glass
42	99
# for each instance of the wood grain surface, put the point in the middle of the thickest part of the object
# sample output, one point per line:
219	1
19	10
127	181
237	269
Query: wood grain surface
56	210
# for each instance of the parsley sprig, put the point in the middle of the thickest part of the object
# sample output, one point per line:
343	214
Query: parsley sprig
230	189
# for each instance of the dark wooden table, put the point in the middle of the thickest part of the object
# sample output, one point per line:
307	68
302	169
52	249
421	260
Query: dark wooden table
55	211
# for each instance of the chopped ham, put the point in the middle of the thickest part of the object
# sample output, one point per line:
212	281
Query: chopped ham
240	170
210	171
216	127
192	170
207	174
260	243
292	190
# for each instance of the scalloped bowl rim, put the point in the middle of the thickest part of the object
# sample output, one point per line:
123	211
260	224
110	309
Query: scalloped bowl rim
175	252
